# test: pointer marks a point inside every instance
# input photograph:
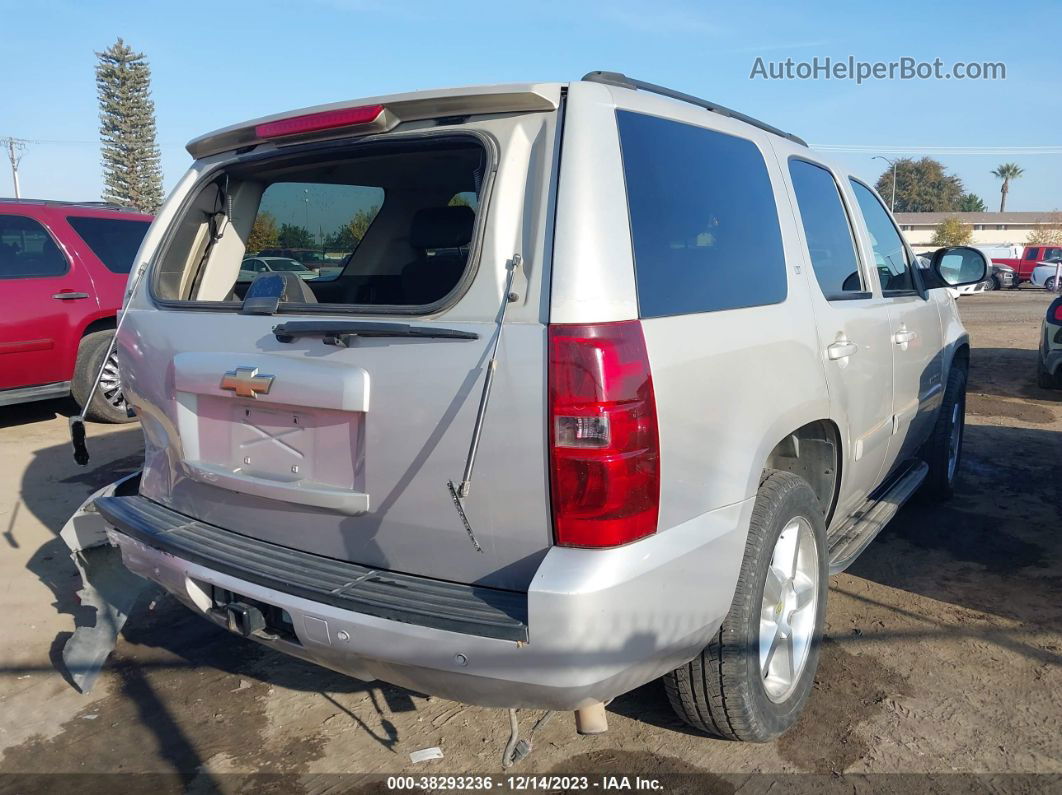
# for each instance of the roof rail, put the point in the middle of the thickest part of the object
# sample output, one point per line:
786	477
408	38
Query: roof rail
95	205
621	80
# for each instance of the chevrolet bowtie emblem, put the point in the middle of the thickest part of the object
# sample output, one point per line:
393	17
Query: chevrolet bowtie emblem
246	382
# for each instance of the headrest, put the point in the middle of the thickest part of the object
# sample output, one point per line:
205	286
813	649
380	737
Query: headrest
442	227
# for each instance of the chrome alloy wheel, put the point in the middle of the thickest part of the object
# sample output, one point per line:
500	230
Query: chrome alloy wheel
790	604
110	385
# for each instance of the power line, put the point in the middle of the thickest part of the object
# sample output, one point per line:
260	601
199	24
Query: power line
940	150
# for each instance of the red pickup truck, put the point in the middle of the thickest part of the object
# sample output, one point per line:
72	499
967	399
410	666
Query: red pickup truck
1030	258
63	269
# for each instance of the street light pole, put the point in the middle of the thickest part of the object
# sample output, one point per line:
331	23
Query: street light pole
892	204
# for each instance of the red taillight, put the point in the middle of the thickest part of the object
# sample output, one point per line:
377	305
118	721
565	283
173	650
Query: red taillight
1058	312
605	448
315	122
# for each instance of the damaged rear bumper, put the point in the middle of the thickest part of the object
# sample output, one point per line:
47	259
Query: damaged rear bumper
107	585
593	624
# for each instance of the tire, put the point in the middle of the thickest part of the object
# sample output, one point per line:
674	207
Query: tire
938	452
1049	284
108	404
1044	379
992	283
723	691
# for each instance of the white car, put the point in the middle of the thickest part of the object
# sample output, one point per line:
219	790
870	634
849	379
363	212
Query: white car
1045	274
674	459
252	266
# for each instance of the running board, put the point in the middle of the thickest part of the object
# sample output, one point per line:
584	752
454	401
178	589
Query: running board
851	538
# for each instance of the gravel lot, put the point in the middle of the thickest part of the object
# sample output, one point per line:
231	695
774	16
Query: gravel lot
943	655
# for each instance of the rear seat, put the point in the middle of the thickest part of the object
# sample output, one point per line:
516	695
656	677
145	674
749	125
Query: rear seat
429	278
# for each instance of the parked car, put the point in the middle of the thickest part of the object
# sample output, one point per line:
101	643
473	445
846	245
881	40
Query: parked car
1000	277
1031	257
538	451
1049	361
1046	274
63	270
252	266
310	257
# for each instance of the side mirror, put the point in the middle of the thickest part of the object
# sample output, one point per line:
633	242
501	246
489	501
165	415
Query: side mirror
959	265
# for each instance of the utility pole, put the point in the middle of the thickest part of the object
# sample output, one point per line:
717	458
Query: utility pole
15	147
892	204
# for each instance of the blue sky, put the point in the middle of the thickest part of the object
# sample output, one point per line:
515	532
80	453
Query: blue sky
215	63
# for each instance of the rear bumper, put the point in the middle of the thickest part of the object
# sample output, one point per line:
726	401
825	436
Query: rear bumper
598	622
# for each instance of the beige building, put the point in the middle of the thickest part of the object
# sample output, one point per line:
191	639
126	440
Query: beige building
990	229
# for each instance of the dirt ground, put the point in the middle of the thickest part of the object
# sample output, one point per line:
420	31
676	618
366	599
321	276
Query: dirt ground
943	652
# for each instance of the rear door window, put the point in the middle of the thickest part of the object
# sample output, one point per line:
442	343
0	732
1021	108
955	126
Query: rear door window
890	254
114	241
704	224
27	250
831	245
387	224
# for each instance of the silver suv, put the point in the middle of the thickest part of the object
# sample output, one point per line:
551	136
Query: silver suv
610	381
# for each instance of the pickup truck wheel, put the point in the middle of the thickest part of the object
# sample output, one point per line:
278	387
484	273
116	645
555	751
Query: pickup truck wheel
943	451
108	404
752	680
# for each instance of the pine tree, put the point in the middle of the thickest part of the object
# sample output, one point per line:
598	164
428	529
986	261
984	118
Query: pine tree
129	149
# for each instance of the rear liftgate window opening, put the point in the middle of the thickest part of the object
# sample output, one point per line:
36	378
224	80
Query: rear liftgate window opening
382	224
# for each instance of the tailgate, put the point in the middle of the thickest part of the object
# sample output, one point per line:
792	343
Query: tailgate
343	448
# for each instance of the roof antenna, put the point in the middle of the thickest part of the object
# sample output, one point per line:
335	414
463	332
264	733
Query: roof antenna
460	492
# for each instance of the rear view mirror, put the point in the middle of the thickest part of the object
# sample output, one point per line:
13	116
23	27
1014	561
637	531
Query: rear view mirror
960	265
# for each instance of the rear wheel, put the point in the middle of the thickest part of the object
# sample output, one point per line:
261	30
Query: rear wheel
752	680
108	402
1049	285
1044	379
943	451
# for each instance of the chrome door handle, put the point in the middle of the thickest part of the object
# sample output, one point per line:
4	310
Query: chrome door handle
68	296
841	349
903	337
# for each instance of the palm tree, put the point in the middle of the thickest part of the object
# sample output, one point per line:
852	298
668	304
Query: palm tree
1006	172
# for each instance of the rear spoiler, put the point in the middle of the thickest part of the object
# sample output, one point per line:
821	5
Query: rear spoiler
343	118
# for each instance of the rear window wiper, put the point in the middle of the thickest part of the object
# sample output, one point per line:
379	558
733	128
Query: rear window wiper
340	332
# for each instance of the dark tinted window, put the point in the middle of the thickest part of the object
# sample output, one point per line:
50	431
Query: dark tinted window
703	218
826	227
27	250
112	240
890	256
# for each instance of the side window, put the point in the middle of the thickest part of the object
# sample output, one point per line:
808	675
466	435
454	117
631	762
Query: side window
114	241
890	255
704	224
1051	253
1032	253
831	245
27	250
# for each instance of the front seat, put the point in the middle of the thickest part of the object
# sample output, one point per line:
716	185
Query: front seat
430	277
